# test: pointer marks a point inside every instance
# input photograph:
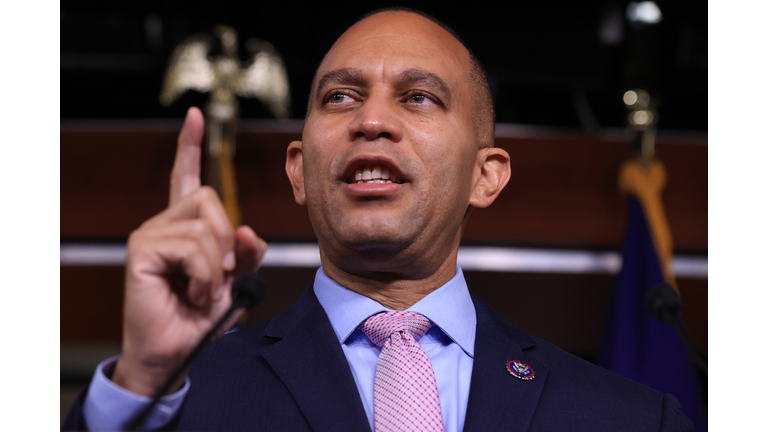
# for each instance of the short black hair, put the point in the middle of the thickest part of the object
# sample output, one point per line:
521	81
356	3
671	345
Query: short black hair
484	113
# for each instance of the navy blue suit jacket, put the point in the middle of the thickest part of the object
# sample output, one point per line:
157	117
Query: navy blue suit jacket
290	374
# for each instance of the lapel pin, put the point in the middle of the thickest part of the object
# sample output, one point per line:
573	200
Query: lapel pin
520	370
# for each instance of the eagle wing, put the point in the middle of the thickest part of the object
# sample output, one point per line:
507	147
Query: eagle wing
189	69
264	77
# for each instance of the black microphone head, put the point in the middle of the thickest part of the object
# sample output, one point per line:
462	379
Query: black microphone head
248	289
664	303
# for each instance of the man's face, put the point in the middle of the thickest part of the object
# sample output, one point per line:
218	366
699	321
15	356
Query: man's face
391	97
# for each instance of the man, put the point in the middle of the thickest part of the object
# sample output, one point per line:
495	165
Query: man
397	98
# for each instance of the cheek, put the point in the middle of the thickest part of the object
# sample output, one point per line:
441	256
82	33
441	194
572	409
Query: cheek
327	136
317	156
447	154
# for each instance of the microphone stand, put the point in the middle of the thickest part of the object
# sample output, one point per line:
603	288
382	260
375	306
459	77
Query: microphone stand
665	305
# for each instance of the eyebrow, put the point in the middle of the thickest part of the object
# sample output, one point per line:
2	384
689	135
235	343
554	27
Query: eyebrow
353	76
340	76
415	76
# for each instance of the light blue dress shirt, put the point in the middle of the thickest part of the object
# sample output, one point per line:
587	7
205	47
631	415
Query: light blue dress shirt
109	407
449	346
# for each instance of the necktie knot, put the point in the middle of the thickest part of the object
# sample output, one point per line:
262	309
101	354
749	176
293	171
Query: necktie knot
381	326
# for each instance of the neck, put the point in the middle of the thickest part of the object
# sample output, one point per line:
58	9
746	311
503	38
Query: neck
393	290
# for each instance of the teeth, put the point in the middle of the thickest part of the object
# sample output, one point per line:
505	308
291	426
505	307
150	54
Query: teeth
375	174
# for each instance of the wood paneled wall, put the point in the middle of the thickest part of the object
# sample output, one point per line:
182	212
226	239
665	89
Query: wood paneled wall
563	191
562	194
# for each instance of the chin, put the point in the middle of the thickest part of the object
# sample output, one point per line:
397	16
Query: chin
379	239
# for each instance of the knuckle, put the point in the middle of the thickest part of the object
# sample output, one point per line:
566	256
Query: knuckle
204	274
134	235
136	240
207	193
189	249
139	248
227	233
199	228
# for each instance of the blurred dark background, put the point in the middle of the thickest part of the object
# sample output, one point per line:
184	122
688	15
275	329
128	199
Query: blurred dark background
559	66
553	63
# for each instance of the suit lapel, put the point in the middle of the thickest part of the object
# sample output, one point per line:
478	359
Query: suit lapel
498	400
310	362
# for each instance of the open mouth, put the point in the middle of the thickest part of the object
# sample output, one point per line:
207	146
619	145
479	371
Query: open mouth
374	174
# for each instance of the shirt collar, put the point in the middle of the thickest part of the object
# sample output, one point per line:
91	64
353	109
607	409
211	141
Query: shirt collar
450	307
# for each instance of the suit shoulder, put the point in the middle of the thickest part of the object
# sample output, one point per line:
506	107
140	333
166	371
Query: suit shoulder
611	394
567	376
573	370
238	343
240	347
562	366
579	390
267	332
579	375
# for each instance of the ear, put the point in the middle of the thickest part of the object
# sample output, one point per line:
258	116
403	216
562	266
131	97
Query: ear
294	167
492	172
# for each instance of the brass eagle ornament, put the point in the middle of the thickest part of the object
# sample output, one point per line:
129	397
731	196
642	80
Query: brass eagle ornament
224	78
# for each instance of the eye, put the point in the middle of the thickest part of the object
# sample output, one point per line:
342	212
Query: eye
337	98
419	98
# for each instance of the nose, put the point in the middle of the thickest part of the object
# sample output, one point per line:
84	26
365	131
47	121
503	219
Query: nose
377	118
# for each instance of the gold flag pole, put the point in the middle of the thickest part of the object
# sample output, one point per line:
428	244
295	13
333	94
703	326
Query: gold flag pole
645	176
220	164
224	78
222	112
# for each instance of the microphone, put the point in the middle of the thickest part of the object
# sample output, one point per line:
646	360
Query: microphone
247	291
665	304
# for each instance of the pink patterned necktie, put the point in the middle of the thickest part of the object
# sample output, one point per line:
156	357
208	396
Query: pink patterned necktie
405	391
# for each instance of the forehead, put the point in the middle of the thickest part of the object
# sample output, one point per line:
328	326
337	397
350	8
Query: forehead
391	42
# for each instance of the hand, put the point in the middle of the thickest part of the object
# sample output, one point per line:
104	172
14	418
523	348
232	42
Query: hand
179	270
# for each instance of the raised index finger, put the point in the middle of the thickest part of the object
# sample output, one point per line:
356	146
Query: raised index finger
185	176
